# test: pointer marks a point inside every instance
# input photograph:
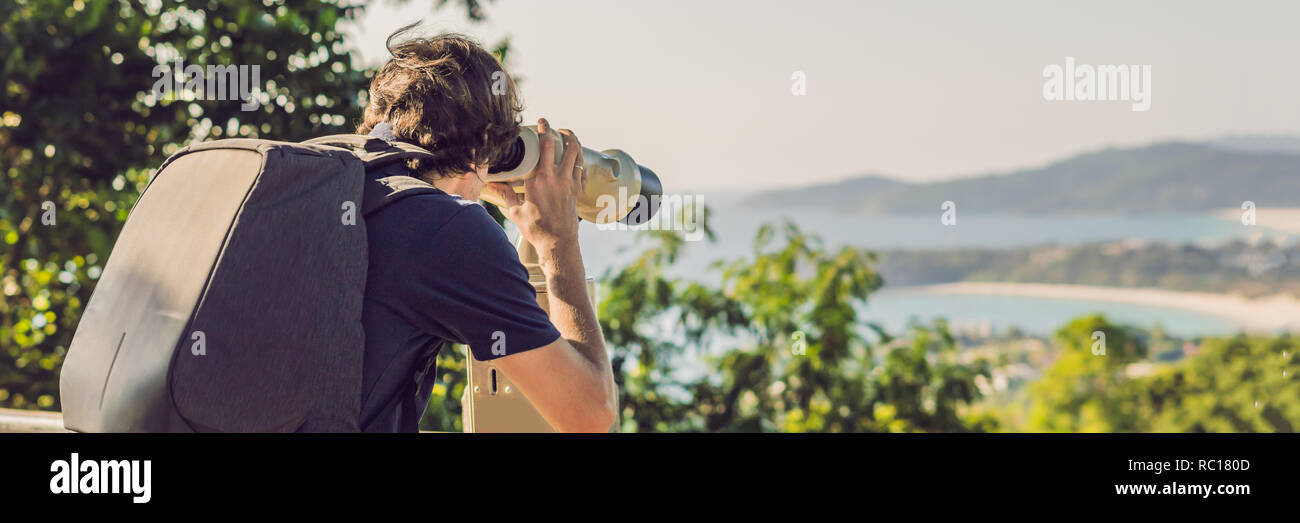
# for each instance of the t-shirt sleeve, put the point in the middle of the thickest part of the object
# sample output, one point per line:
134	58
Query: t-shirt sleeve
466	285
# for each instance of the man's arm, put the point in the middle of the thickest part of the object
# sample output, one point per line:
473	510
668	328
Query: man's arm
570	380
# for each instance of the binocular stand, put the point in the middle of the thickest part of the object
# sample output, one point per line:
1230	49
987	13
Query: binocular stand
491	402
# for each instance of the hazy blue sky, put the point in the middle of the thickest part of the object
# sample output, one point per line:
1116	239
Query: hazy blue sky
701	90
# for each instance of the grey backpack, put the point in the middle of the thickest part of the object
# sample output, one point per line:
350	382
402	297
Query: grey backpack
232	298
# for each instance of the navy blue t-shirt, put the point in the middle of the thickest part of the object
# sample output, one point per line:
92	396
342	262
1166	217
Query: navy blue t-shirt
440	269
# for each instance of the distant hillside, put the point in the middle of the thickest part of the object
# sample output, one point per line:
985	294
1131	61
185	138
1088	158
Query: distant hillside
1257	144
1168	177
1238	267
842	196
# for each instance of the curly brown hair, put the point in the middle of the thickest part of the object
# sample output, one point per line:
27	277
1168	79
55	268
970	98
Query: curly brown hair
447	94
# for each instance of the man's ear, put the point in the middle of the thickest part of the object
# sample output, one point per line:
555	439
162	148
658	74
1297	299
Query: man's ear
480	173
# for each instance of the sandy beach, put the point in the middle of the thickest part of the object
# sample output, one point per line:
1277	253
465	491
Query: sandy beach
1263	315
1281	219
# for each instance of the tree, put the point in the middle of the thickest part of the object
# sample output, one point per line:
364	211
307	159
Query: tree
81	127
799	359
1239	384
1086	389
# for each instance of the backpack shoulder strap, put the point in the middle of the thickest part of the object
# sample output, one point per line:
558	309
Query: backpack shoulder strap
375	153
382	191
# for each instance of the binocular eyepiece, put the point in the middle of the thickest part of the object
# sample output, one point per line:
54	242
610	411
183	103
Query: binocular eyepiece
616	186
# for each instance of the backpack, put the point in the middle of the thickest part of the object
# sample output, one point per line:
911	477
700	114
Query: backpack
232	299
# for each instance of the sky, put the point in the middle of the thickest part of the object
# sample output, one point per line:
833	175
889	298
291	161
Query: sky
703	91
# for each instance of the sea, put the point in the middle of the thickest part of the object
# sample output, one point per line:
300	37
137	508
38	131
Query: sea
734	225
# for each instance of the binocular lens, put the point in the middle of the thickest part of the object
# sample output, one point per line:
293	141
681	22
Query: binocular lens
510	159
651	187
646	205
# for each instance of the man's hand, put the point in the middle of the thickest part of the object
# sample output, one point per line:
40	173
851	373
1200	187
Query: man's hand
548	218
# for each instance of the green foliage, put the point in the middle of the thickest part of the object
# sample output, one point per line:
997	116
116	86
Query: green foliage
799	360
1086	390
473	8
1241	384
443	412
80	128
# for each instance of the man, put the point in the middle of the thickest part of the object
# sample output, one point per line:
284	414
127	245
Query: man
442	269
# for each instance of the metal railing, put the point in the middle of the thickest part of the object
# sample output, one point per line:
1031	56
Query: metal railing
12	420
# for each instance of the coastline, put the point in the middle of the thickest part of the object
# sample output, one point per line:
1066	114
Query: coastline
1260	315
1281	219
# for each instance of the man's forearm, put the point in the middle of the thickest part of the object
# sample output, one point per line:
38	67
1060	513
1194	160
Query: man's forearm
570	306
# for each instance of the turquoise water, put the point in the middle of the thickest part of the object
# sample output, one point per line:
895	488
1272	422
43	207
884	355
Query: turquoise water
1042	316
735	227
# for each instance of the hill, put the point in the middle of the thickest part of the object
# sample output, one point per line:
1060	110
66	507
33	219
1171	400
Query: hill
1166	177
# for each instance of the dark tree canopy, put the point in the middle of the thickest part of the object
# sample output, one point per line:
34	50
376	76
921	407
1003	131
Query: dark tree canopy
80	129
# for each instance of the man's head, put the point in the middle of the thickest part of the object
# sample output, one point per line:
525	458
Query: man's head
449	95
